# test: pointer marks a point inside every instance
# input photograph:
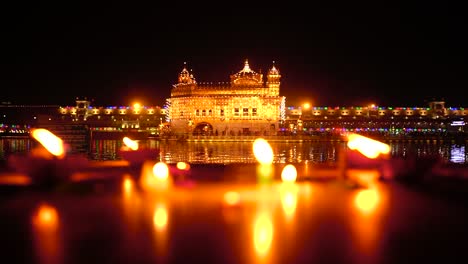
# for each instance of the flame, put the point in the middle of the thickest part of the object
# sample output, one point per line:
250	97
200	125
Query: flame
289	173
51	142
183	165
263	151
155	176
132	144
161	171
368	147
46	217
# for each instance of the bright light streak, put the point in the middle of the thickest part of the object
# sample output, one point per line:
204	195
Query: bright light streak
51	142
132	144
289	173
368	147
263	151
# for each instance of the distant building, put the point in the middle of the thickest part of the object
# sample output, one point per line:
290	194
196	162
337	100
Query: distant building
247	105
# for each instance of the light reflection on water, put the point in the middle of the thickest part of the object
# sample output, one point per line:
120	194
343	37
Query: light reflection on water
241	152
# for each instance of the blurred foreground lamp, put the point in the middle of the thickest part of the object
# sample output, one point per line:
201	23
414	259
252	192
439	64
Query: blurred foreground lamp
47	164
367	158
263	151
131	144
289	174
132	153
264	155
366	146
155	176
53	144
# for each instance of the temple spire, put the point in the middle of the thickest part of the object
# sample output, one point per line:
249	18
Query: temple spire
246	66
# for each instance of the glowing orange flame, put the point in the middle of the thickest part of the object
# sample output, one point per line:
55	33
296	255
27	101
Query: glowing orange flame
132	144
183	165
368	147
51	142
289	173
155	176
263	151
46	217
161	171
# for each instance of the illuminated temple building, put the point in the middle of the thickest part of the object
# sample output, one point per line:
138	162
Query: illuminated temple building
249	104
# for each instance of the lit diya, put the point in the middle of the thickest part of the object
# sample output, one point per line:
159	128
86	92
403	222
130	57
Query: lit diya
48	163
135	155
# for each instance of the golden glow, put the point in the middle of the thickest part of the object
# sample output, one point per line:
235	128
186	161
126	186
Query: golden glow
263	234
127	185
263	151
155	177
132	144
368	147
289	173
231	198
289	199
45	220
161	171
183	165
160	218
366	178
265	171
366	200
306	106
51	142
15	179
136	105
46	217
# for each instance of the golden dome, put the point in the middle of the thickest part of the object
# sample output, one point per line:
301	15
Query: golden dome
185	77
246	76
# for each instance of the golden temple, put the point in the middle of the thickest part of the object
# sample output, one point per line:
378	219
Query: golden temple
248	105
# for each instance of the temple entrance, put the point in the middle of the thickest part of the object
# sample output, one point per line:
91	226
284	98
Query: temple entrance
203	129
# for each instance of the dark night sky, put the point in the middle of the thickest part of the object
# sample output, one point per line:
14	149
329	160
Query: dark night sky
353	54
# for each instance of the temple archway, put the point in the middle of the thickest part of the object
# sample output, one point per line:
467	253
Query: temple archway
203	128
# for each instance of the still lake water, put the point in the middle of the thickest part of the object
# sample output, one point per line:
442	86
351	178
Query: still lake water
241	152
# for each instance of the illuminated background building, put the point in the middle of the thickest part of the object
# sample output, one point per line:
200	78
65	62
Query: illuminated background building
247	105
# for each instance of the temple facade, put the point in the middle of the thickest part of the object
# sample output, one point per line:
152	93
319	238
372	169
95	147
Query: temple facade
247	105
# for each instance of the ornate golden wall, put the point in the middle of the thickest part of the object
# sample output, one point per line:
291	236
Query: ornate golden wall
247	104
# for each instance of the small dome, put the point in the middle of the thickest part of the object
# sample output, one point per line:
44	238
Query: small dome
185	77
274	70
246	76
